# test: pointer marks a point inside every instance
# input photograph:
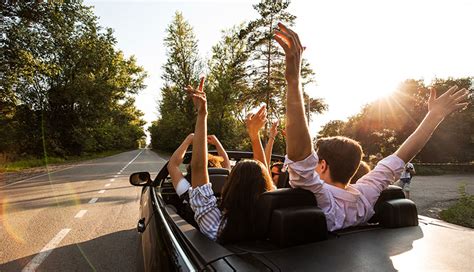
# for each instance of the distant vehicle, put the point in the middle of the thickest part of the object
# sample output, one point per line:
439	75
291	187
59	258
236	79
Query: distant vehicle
294	236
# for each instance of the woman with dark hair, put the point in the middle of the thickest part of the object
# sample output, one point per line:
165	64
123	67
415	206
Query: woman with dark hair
233	219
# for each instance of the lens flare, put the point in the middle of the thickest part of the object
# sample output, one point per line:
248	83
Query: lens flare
7	221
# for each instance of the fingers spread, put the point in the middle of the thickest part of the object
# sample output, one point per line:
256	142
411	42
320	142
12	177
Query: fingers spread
461	95
296	38
432	94
283	42
201	85
450	91
461	105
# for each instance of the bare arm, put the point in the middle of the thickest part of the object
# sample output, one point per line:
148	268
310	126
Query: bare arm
438	109
298	139
254	123
271	141
199	172
212	139
177	158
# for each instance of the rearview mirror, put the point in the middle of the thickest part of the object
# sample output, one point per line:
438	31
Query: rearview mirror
140	179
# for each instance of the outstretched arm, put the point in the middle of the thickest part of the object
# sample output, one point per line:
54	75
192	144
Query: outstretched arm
212	139
298	139
177	158
254	123
271	141
438	109
199	172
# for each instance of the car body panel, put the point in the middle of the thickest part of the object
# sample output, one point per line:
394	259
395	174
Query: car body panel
169	243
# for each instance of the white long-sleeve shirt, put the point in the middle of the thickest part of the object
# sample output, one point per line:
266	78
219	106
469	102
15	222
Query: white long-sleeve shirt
353	205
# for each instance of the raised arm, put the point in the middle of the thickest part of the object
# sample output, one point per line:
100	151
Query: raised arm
199	172
271	141
177	158
298	139
254	123
212	139
438	109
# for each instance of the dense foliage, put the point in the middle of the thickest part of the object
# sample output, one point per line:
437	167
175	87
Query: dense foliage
246	69
383	125
65	89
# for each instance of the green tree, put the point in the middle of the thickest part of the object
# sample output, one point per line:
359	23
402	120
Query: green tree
228	81
267	62
66	78
181	69
383	125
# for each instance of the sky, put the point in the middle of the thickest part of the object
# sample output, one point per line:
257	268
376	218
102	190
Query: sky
359	50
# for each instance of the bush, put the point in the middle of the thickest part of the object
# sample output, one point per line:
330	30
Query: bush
462	212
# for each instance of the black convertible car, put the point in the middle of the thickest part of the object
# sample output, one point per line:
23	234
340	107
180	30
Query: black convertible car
293	234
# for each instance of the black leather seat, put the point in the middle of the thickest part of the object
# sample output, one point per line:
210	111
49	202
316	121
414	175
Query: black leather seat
392	210
290	217
218	178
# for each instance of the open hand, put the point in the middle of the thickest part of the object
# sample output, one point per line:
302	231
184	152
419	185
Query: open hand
212	139
291	44
199	97
448	102
255	122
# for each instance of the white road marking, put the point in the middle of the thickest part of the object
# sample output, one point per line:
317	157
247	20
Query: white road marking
93	200
107	185
115	176
131	161
43	254
112	180
101	191
80	214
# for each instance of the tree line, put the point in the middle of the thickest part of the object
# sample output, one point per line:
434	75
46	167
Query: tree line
381	126
65	88
246	69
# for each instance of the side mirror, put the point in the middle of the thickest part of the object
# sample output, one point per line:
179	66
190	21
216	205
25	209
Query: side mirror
140	179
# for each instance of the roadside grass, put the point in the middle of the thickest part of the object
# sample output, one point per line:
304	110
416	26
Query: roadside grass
26	163
462	212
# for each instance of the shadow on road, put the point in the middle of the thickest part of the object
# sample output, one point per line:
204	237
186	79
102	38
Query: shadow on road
112	252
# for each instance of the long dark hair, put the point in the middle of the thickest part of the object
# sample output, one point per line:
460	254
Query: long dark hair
247	181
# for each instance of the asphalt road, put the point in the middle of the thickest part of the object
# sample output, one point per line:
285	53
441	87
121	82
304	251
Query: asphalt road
435	193
77	219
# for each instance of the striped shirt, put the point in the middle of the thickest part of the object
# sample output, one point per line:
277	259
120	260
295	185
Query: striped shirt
206	212
353	205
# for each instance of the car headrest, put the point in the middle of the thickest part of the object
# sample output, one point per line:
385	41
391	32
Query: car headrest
398	213
392	192
218	171
392	210
280	198
218	182
298	225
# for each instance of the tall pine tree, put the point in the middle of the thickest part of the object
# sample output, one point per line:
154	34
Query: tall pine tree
268	65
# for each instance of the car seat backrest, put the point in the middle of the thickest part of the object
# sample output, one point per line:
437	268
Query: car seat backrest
283	180
282	213
298	225
218	178
218	182
218	171
392	210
